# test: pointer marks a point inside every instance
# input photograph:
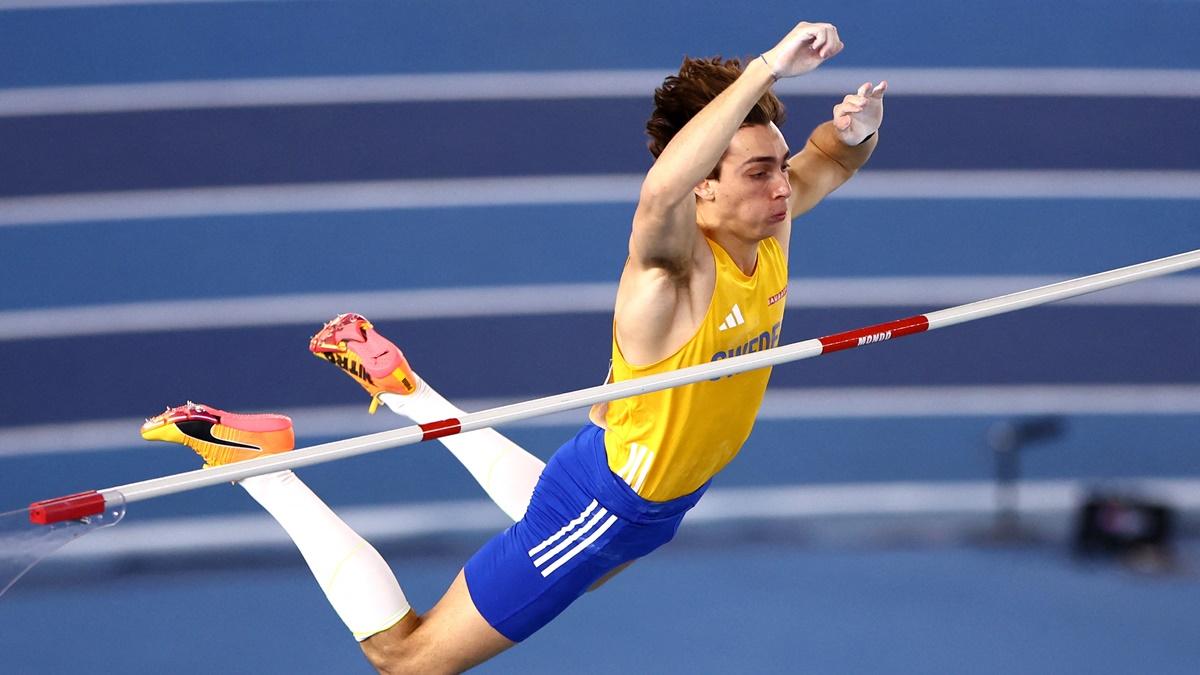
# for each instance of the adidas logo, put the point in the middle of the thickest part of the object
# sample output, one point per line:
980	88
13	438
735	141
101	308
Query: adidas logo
733	319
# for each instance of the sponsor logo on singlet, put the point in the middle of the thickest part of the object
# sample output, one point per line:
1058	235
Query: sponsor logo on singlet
778	296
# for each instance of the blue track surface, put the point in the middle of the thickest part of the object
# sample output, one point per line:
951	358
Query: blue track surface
758	608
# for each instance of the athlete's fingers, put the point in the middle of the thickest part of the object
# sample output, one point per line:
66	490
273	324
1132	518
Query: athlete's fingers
854	99
834	48
835	41
819	39
879	90
864	88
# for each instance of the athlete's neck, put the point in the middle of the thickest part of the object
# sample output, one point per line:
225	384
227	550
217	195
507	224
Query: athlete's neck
743	253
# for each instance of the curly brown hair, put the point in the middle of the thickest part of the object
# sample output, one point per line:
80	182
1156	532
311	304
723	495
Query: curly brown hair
699	81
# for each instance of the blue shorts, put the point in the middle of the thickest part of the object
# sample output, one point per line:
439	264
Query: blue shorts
582	522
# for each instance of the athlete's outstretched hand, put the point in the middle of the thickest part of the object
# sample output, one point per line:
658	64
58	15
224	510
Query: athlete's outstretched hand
859	115
806	47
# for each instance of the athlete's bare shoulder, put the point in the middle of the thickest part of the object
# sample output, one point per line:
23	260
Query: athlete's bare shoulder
658	309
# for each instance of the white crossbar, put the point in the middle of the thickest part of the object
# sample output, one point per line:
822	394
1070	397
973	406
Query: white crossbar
63	508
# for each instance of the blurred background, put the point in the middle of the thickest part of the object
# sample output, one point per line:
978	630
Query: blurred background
189	189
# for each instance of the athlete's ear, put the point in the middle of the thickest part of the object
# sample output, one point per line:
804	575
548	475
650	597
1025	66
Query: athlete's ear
705	190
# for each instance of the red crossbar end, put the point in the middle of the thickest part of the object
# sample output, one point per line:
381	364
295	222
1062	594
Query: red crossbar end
440	428
71	507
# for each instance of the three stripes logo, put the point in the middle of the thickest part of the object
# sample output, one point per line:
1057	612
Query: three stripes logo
585	526
733	319
591	524
637	466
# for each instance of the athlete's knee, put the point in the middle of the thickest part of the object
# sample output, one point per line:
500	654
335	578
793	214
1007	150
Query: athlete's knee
400	658
389	662
399	650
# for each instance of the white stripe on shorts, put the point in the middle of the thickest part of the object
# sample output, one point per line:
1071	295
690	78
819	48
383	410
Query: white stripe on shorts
575	535
582	545
566	528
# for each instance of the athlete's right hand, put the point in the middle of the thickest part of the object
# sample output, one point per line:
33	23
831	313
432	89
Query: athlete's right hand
806	47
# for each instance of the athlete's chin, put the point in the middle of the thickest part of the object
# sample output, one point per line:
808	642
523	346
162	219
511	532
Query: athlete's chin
771	227
761	229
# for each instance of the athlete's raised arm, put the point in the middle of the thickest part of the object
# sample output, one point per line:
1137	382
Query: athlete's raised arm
666	244
835	150
664	225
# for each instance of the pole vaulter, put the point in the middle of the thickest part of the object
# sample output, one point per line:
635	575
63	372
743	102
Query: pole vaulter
82	506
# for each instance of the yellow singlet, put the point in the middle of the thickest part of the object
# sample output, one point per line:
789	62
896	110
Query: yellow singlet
666	444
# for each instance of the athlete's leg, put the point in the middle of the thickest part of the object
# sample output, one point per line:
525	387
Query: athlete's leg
365	594
454	635
355	578
505	471
449	638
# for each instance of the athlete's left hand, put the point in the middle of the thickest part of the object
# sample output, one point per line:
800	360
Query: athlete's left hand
859	115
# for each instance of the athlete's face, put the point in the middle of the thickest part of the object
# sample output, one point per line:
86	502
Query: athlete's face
750	199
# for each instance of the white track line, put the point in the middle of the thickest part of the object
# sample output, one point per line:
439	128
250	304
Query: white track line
318	197
532	300
134	205
579	84
383	524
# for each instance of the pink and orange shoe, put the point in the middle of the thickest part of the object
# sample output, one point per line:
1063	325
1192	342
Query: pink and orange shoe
221	437
351	343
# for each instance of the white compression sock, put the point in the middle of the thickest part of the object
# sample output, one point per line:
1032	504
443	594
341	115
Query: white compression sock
356	579
505	470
